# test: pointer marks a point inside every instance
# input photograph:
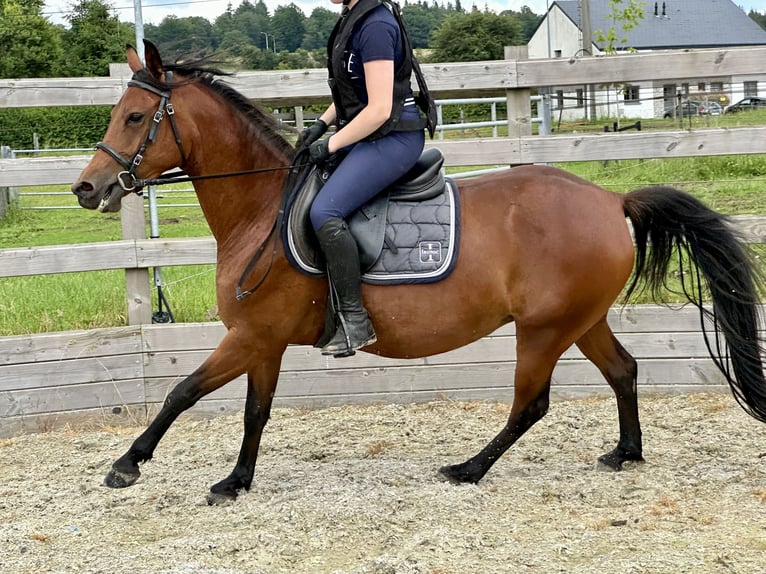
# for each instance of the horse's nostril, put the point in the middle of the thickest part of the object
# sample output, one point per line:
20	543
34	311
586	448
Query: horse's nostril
82	187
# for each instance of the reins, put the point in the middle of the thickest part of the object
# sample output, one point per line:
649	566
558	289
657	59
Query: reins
139	184
168	179
295	179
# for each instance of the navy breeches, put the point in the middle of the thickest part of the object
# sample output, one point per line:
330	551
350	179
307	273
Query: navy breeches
367	170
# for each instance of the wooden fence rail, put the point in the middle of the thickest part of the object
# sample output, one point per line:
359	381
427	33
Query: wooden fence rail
119	375
487	151
284	88
147	253
123	254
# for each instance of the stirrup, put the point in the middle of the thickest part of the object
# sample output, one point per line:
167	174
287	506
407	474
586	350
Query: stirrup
340	345
346	350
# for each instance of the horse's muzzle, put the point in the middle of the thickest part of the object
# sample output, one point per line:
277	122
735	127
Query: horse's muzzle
89	196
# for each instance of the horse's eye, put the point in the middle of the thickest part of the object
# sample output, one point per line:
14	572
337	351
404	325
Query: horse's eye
135	118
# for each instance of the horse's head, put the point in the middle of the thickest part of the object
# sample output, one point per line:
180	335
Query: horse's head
137	144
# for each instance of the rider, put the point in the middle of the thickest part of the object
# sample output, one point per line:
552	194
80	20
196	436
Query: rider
379	126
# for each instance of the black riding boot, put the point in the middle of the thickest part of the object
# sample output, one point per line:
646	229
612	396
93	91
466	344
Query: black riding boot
342	256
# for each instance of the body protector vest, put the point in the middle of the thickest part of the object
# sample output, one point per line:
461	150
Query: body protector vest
347	104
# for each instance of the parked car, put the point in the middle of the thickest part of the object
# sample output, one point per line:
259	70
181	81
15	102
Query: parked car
689	108
751	103
714	109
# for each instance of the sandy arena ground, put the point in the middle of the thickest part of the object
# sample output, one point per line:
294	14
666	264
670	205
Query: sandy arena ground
355	490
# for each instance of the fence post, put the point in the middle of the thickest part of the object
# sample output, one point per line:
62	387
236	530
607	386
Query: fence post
133	222
299	125
544	111
6	193
519	103
4	201
137	283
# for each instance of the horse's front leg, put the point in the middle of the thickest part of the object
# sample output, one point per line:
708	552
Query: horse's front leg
261	384
224	364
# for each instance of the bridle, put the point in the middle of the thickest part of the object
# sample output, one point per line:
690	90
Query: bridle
127	178
130	183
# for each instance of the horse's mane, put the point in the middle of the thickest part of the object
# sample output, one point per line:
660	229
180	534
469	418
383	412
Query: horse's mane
209	76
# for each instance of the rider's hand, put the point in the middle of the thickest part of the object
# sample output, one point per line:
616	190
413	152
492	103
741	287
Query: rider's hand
319	151
311	134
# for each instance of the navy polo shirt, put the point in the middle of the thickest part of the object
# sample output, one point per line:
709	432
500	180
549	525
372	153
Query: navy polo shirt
377	37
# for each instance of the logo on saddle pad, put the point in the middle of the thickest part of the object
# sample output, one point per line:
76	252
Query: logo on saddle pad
430	251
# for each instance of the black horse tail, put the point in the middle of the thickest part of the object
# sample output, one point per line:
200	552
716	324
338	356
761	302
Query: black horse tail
670	223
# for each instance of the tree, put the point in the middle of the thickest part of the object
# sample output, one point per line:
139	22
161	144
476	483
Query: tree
193	35
317	28
758	18
235	43
628	18
528	19
300	59
94	40
287	27
474	37
30	45
422	20
250	20
255	58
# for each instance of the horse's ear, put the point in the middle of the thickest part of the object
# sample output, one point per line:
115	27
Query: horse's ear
153	60
134	61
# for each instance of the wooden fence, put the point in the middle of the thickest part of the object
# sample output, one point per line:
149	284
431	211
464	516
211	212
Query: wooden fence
119	374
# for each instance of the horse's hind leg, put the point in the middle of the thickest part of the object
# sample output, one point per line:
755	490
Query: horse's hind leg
221	367
261	383
537	353
619	369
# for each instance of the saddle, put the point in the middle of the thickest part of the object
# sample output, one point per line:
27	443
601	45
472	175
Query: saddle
407	233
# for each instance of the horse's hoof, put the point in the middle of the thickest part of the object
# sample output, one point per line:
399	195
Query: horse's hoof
606	464
456	474
613	461
118	479
225	492
220	498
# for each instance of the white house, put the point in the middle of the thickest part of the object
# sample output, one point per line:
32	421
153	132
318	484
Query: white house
666	25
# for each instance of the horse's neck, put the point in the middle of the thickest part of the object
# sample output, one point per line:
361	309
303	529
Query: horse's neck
242	205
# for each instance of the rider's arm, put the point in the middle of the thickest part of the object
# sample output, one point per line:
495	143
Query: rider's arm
329	115
379	80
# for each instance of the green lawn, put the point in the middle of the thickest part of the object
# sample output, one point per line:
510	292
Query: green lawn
729	184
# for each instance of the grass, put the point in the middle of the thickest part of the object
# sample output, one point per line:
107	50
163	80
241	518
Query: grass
47	303
729	184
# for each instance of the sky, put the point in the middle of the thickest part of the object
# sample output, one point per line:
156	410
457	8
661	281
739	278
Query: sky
153	11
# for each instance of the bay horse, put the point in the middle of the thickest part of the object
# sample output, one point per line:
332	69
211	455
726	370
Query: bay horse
538	246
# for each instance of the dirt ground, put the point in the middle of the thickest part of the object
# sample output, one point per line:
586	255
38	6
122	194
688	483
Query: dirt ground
355	490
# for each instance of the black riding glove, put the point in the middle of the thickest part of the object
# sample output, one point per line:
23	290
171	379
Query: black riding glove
311	134
319	151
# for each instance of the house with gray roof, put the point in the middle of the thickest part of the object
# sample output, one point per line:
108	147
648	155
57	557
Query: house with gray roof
666	25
